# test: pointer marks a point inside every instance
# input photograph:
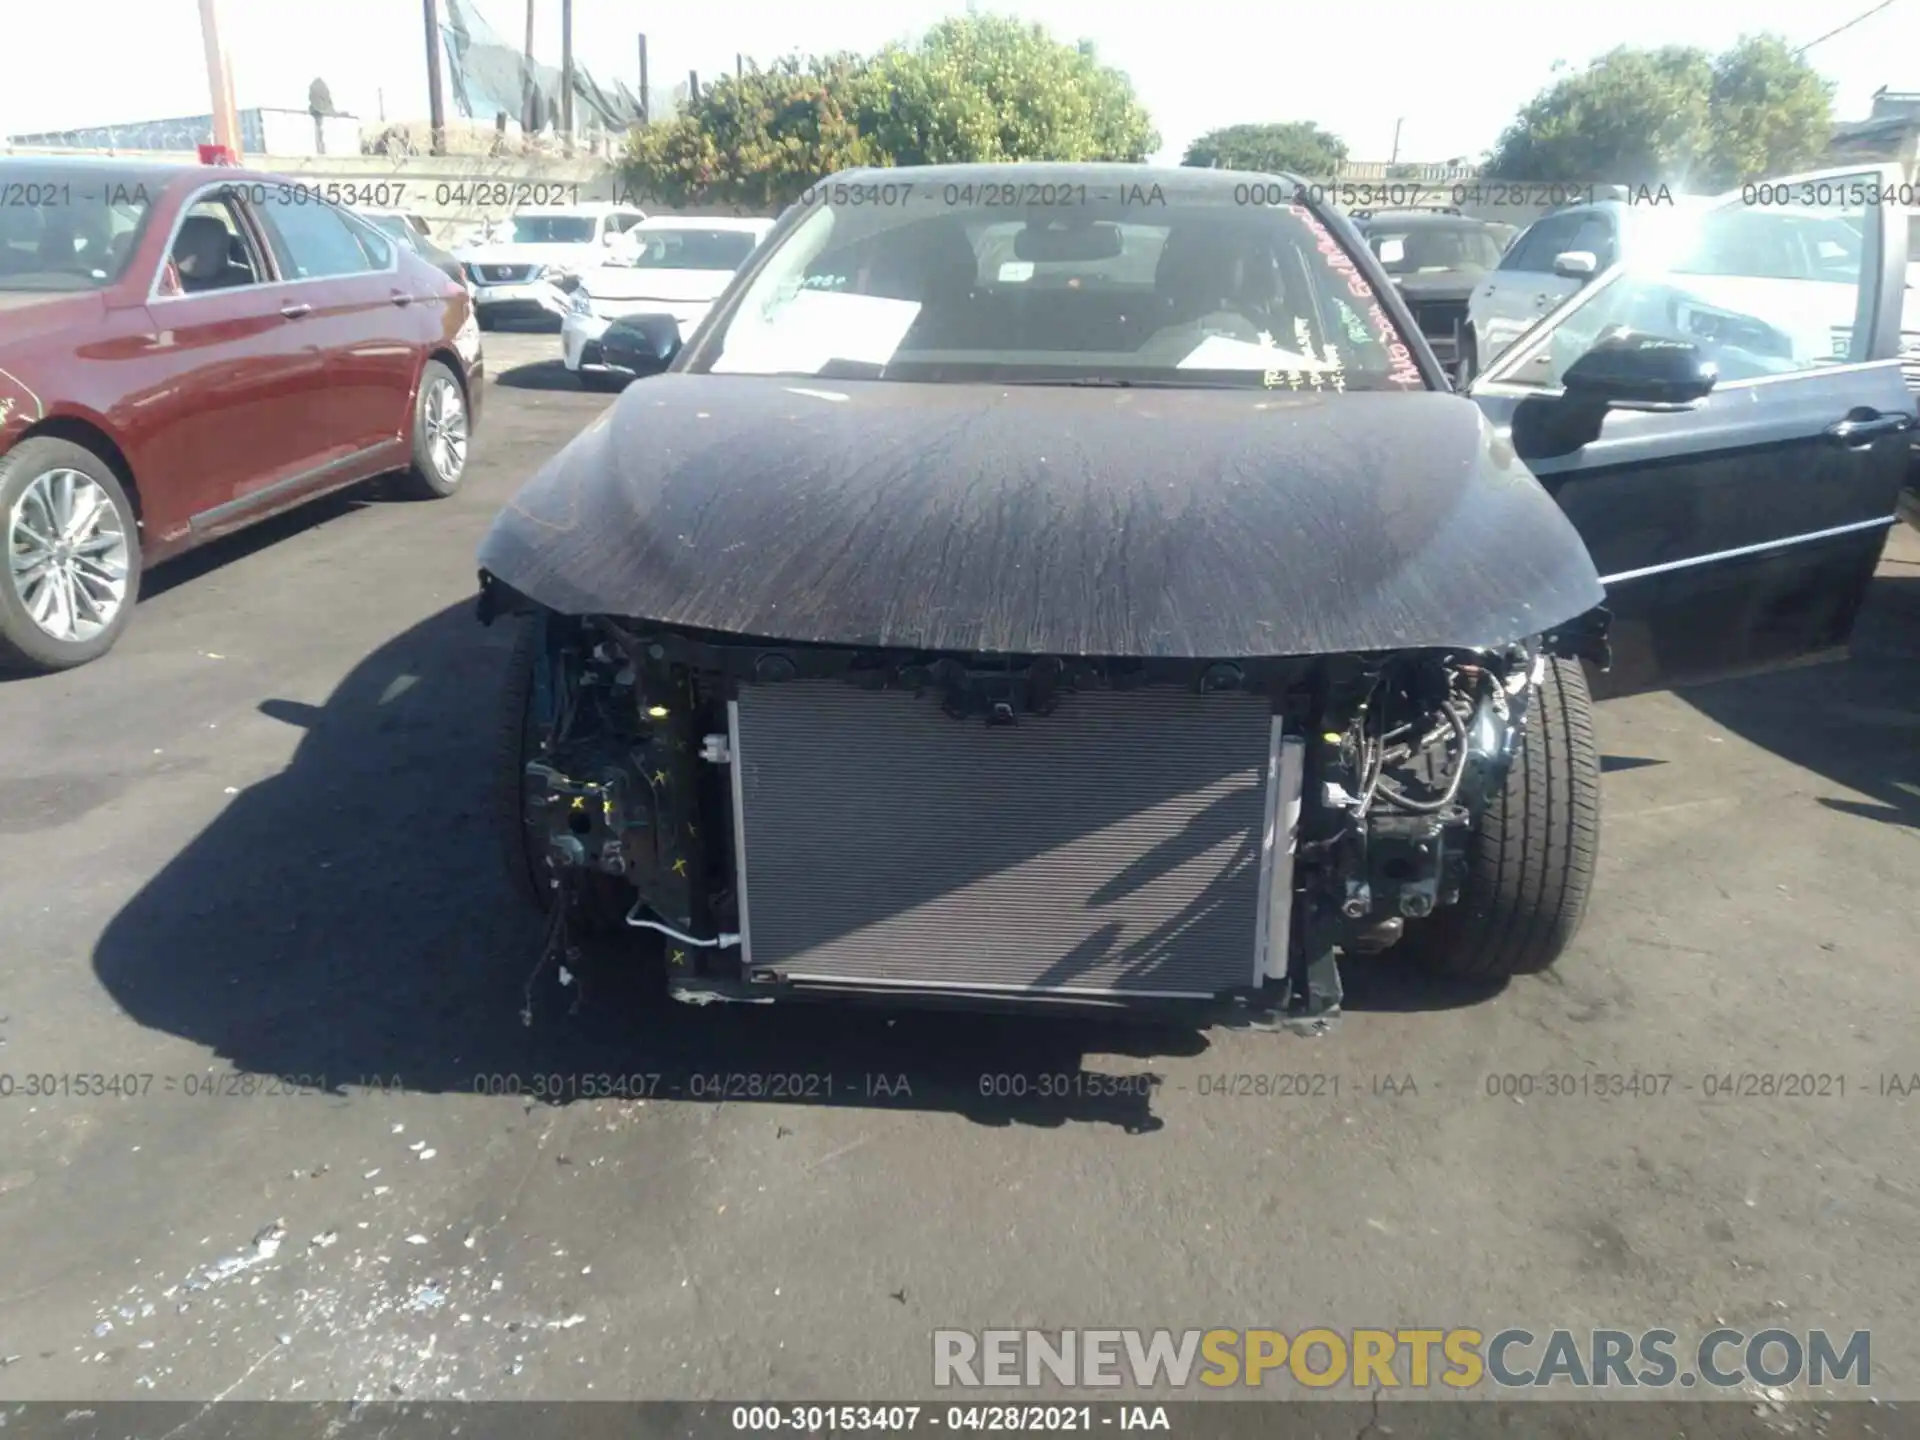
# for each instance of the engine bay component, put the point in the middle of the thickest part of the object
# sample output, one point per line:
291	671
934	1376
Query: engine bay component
994	829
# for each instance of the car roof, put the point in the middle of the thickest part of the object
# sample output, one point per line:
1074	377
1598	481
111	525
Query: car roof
1444	218
1187	178
747	225
158	172
594	208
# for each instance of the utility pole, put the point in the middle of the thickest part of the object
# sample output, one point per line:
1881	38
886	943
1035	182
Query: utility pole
693	84
226	121
739	65
1395	157
566	70
436	104
646	100
526	77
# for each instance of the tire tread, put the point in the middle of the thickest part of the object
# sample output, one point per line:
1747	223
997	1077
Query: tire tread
1531	869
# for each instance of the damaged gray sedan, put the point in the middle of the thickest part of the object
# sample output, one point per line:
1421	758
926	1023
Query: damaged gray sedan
1064	586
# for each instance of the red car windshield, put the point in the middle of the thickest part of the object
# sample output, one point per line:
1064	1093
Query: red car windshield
69	227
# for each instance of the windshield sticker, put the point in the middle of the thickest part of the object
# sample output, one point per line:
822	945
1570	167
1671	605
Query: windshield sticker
1016	271
814	329
1402	370
1223	352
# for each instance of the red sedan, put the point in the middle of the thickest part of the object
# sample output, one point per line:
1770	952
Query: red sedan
185	350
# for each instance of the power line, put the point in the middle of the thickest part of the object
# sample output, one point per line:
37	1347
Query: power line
1864	15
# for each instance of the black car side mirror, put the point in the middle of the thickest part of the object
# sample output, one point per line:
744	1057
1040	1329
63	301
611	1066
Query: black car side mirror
644	344
1635	371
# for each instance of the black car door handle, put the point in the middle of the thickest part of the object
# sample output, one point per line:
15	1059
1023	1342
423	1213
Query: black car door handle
294	312
1863	430
400	297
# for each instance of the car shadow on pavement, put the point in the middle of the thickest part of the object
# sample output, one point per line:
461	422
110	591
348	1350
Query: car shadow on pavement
540	375
346	922
205	559
1855	724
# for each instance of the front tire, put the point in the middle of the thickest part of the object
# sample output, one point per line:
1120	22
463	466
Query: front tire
441	434
605	381
1530	870
73	556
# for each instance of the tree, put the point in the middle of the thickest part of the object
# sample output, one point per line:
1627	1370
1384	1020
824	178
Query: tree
975	88
1635	117
754	141
1296	145
1675	115
1772	113
991	88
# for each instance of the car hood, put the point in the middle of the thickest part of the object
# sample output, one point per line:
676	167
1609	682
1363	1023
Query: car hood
641	282
507	254
1046	520
1441	285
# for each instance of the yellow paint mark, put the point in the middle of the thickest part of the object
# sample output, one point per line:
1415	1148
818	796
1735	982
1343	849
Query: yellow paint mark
680	867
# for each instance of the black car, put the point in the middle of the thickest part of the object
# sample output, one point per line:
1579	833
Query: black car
1150	636
411	231
1436	258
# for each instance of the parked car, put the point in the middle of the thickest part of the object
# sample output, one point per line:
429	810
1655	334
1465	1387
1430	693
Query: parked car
1435	258
1143	639
414	232
187	350
1795	246
525	276
673	267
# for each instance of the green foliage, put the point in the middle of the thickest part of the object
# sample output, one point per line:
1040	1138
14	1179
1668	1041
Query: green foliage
975	88
1296	145
1676	115
1772	113
755	141
992	88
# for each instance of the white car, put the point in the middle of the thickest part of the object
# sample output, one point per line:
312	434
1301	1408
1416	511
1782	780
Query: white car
668	266
1728	268
515	277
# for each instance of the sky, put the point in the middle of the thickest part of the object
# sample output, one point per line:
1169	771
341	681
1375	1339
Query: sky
1451	75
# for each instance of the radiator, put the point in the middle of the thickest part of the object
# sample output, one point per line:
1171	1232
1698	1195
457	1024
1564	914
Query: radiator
1116	847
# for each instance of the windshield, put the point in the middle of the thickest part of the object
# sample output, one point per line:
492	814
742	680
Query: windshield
692	249
69	229
1432	249
553	229
1191	290
1759	244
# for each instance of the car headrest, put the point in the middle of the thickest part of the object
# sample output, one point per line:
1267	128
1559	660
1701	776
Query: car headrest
1199	264
923	262
201	249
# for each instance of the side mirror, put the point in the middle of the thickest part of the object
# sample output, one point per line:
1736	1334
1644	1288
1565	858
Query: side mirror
644	344
609	238
1635	371
1576	264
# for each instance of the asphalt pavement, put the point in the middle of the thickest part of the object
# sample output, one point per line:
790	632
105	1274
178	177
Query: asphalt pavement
301	1143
